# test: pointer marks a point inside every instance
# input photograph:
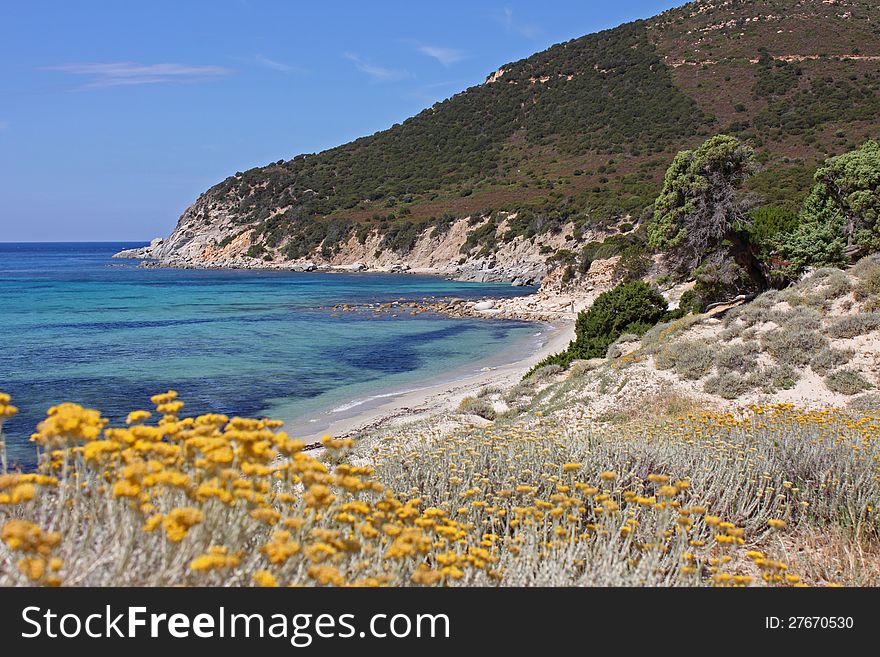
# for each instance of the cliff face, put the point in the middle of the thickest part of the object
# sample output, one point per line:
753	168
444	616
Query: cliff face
207	236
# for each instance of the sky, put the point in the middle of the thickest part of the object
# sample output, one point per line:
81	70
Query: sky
115	116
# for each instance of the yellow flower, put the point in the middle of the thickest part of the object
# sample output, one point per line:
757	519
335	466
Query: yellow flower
776	523
265	579
326	575
608	475
137	416
280	548
68	423
125	489
164	397
25	536
33	568
179	521
216	558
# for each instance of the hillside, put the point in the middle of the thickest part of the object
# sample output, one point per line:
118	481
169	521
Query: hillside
563	148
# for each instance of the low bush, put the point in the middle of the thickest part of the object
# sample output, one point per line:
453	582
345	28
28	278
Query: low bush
830	359
692	359
740	358
616	350
581	367
847	382
867	273
544	373
793	347
728	385
779	377
852	326
866	403
800	318
488	391
480	407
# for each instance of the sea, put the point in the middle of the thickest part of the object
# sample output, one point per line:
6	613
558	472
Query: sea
78	325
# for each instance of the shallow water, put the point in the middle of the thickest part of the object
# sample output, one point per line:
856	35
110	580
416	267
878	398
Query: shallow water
79	326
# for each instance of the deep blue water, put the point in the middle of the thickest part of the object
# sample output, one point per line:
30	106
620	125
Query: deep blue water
79	326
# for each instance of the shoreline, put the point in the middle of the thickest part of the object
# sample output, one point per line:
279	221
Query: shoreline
444	395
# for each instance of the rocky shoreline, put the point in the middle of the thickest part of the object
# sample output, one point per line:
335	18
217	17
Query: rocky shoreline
530	308
516	276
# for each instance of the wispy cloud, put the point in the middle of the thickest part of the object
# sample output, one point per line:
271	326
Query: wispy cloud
445	56
379	73
514	26
434	92
275	65
101	75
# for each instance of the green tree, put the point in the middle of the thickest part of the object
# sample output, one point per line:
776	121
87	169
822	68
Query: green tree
699	208
847	190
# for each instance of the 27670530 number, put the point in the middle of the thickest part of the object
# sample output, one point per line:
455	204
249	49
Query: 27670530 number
809	622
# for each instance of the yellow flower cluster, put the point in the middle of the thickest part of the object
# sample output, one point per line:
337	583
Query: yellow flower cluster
38	564
7	410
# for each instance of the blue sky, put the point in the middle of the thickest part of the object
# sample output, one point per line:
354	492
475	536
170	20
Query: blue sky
115	116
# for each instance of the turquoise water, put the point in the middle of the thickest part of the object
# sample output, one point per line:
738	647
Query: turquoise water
79	326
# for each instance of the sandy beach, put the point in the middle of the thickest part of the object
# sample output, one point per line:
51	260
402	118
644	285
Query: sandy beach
408	406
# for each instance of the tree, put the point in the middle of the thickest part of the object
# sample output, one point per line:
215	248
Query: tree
847	191
699	208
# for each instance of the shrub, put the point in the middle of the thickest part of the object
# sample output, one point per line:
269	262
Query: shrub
854	325
847	382
520	394
480	407
740	358
830	359
867	273
582	367
810	245
728	385
780	377
800	318
866	403
768	221
546	372
255	251
488	391
615	350
690	302
691	359
695	360
832	284
795	347
629	308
